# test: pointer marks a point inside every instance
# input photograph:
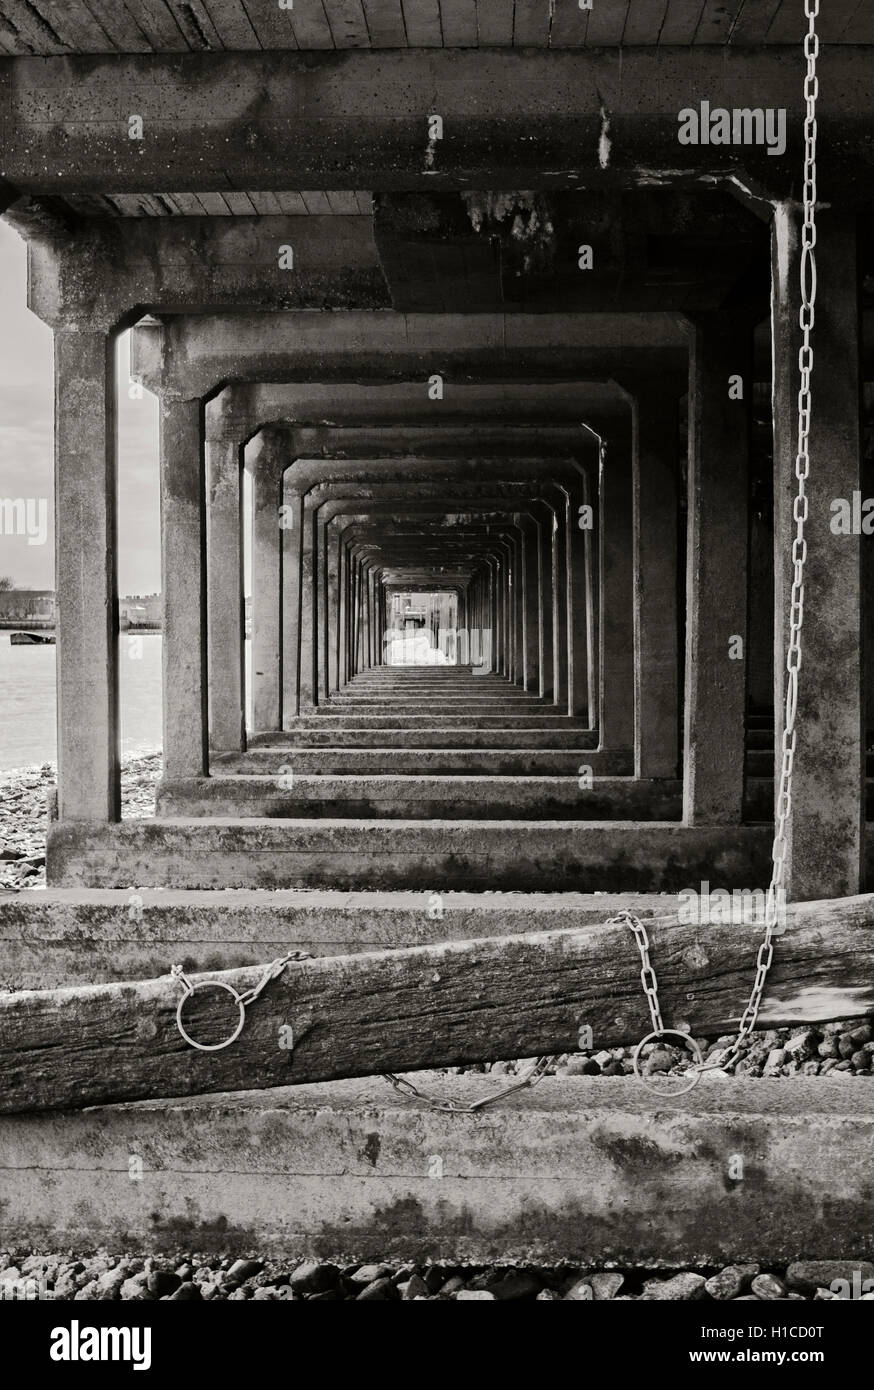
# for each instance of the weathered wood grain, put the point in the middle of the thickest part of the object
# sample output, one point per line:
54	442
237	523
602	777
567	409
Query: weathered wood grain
437	1005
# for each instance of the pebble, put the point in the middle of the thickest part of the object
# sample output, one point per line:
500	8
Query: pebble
681	1288
768	1286
379	1289
809	1275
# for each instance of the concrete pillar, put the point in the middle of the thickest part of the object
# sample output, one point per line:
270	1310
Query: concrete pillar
332	562
292	559
85	565
307	682
561	640
656	713
546	614
616	624
716	570
530	599
578	606
825	831
266	457
183	569
226	637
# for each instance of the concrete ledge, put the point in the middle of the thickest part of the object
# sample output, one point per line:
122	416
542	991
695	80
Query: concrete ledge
321	733
611	856
434	762
67	936
578	1170
423	797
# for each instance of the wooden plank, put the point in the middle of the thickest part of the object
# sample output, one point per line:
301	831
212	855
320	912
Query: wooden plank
348	25
311	27
344	204
291	204
159	24
789	24
441	1005
717	21
569	25
239	204
365	202
195	24
836	21
643	23
861	29
606	24
422	21
34	33
531	23
79	28
273	27
754	21
458	22
215	204
385	23
188	204
121	27
681	21
230	20
267	204
316	203
494	20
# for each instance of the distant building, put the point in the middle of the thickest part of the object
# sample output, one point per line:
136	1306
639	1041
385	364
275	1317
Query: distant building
35	607
140	611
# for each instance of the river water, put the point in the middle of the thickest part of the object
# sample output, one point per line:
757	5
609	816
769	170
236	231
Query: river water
27	699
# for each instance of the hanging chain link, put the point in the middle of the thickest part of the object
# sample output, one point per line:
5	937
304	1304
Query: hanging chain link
783	804
800	509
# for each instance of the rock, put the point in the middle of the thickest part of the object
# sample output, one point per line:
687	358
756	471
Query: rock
861	1034
136	1288
185	1272
775	1059
380	1289
802	1044
241	1270
519	1283
190	1293
163	1282
846	1046
727	1284
583	1066
809	1275
606	1285
452	1285
581	1291
368	1274
481	1295
548	1296
659	1061
680	1288
861	1060
313	1277
329	1296
415	1288
613	1068
768	1286
829	1048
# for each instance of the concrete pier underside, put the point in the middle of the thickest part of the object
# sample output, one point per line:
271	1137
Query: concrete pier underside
579	1171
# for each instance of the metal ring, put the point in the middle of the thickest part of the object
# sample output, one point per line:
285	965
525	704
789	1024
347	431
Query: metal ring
211	984
695	1075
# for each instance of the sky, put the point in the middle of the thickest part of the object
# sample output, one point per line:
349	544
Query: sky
27	443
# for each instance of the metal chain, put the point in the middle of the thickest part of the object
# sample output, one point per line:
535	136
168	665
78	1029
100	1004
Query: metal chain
242	999
800	509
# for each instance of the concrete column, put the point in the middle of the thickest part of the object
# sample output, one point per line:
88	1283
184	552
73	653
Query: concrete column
616	627
292	559
578	605
560	605
226	636
183	568
546	615
332	560
656	713
530	599
266	457
593	615
85	567
308	685
716	571
825	832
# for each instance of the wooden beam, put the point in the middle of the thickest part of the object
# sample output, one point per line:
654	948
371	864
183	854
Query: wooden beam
442	1005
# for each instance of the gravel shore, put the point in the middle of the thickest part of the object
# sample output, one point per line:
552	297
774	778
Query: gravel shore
186	1276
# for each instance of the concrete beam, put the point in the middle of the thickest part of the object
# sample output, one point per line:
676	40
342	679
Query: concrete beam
274	120
197	356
